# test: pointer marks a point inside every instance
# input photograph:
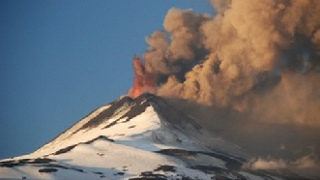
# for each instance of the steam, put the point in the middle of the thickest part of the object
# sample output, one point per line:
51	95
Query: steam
259	57
304	162
262	164
305	165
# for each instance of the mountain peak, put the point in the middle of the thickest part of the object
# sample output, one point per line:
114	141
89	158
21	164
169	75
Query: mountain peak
141	138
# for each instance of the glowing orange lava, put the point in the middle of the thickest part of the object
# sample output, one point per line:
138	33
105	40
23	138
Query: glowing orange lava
143	81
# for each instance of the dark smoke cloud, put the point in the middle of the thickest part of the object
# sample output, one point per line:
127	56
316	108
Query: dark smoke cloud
178	48
257	57
250	74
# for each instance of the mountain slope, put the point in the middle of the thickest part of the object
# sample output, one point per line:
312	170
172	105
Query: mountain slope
142	138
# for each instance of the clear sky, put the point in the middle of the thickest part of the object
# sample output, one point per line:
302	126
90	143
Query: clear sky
62	59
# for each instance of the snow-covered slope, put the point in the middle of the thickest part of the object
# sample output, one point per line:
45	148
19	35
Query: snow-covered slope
142	138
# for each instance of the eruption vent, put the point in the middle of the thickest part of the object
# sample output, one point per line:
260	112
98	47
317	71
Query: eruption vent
143	81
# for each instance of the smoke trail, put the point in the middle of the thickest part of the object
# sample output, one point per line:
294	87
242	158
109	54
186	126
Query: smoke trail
260	57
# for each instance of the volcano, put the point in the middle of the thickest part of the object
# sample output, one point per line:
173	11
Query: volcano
141	138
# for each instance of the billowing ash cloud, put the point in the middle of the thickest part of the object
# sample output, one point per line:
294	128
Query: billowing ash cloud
249	74
270	164
257	57
305	165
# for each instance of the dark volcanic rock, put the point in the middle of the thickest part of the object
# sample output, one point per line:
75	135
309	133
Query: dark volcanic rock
107	113
232	163
69	148
64	150
99	138
48	170
22	162
137	106
208	169
166	168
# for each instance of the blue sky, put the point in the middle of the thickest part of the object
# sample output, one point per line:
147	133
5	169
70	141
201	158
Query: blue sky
62	59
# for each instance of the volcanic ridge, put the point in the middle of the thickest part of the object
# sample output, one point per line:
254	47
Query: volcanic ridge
141	138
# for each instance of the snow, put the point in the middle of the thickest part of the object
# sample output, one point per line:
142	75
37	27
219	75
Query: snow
73	129
132	146
127	149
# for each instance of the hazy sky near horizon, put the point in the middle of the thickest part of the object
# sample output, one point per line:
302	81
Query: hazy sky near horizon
62	59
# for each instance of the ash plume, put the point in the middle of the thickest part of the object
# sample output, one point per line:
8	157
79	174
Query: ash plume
257	57
249	74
